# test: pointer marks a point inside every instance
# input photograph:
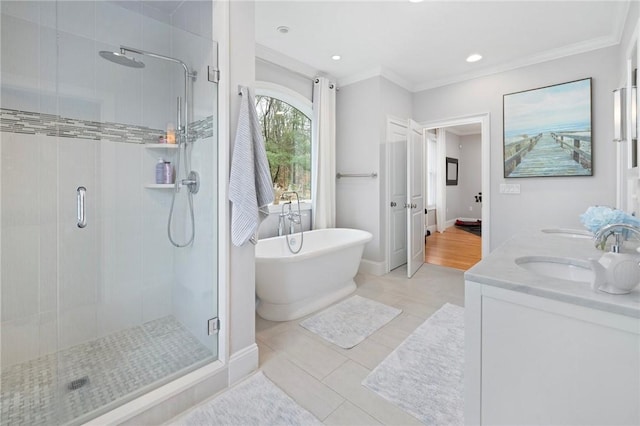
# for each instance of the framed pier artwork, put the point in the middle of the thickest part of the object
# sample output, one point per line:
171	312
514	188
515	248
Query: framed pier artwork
547	131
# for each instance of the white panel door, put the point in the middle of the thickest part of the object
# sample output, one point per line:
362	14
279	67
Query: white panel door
397	140
415	198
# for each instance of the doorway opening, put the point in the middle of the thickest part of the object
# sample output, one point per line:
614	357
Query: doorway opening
457	218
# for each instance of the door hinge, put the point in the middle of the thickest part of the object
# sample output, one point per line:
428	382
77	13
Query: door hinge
213	326
213	75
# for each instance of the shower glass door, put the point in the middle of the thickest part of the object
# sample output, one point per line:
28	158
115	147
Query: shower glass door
98	306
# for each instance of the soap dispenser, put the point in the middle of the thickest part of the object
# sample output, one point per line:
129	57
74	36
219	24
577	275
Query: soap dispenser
160	171
615	273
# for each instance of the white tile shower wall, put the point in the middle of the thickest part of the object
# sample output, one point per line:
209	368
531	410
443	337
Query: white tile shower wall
26	10
20	223
157	252
197	52
77	18
96	265
77	77
48	73
68	77
120	292
78	268
194	17
159	91
119	89
117	26
19	66
48	199
29	262
19	340
102	284
194	292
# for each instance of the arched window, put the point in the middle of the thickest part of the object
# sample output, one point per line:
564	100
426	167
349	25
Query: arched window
287	136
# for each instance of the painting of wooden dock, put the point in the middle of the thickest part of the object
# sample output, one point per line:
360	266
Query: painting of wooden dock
547	131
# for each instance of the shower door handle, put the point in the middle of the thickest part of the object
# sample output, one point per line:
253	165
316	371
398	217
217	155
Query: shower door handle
82	218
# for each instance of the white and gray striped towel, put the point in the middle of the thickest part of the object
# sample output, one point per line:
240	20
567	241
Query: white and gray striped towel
250	188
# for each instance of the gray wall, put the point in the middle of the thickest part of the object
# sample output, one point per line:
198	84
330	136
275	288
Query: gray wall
460	198
358	110
453	209
470	176
362	109
543	201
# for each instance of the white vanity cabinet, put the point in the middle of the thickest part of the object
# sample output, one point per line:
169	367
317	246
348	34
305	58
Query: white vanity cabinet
542	361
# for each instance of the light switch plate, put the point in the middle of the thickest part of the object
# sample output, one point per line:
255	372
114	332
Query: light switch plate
509	188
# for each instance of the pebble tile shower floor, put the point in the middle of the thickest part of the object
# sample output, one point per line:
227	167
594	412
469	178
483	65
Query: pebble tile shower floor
64	386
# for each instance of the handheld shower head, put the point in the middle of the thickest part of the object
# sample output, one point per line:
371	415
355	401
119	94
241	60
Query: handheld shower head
121	59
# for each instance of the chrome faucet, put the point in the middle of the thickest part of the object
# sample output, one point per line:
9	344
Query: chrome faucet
281	217
616	229
294	217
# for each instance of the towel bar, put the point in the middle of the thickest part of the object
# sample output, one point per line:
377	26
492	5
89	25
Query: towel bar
370	175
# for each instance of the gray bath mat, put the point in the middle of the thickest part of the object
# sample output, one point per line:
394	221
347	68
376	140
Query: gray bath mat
424	375
351	321
255	401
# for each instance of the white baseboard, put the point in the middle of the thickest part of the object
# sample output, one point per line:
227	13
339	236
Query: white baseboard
468	219
449	223
432	228
162	404
372	268
243	363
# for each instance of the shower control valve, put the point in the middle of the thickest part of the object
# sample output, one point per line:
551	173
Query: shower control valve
192	182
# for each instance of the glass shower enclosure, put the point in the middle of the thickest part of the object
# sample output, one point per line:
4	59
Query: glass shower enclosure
102	299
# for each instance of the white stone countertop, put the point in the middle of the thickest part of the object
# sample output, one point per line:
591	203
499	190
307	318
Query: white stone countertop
499	269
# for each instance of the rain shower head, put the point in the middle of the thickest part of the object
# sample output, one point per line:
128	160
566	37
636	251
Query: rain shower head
121	59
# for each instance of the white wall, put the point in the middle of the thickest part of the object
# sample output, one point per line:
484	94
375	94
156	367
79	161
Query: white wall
362	109
242	340
470	176
272	73
542	202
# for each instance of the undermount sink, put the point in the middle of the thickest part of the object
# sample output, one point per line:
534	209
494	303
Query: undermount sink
569	233
557	267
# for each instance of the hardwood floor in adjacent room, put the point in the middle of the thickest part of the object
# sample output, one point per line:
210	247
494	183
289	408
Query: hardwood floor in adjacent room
454	248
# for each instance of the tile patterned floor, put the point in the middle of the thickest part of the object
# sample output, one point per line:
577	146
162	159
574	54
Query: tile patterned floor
41	391
326	379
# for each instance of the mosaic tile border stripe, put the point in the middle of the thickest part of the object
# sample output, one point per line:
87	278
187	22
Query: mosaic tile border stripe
35	123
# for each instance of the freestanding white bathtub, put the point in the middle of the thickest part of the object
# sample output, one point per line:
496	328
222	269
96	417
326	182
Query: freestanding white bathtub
290	286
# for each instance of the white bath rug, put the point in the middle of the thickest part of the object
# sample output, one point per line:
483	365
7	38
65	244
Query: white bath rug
351	321
255	401
424	375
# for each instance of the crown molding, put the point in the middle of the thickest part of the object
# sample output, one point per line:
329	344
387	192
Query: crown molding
376	72
274	57
547	56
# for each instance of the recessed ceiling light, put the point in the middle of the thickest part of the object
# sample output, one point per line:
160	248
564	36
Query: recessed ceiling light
282	29
474	58
336	57
416	1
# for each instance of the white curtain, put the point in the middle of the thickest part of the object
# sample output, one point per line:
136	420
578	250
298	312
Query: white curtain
323	154
441	193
